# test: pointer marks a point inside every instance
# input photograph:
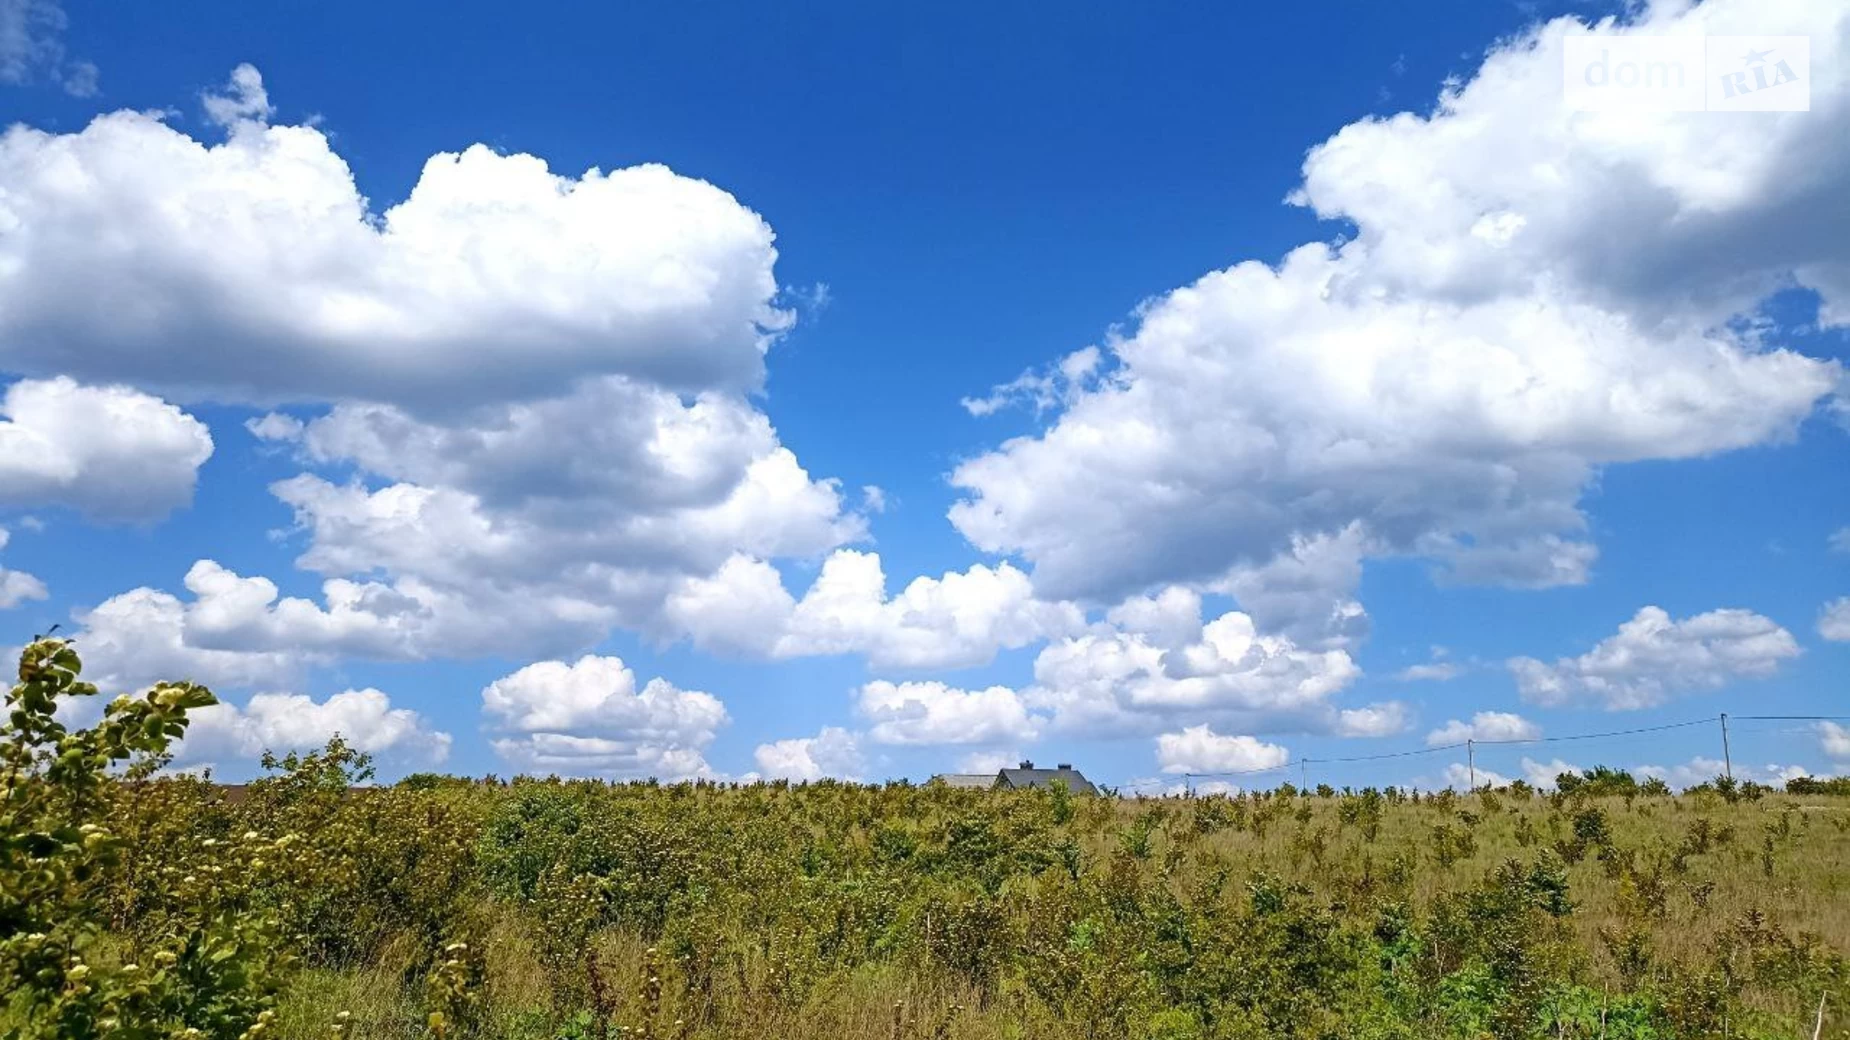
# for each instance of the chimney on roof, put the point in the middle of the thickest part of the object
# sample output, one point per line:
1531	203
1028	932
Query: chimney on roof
1027	764
1066	765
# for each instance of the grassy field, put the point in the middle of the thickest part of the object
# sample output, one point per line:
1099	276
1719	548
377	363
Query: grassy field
855	912
132	906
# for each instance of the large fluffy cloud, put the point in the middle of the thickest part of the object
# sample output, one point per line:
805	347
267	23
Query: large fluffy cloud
1529	294
933	713
588	718
521	400
113	453
253	268
239	631
1149	665
136	639
224	736
585	511
957	620
1653	657
833	752
1154	662
1198	749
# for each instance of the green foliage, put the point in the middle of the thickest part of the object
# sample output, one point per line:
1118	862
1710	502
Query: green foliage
533	910
1836	785
201	963
1598	782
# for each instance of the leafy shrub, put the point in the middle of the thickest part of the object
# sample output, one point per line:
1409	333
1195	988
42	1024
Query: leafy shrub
208	963
1836	785
535	909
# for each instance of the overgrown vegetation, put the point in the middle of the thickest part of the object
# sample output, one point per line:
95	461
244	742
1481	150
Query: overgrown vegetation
138	906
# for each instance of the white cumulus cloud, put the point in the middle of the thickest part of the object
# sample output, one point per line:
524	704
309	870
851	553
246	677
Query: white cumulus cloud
1382	719
538	415
833	752
110	452
1835	740
588	718
584	512
1701	770
1530	294
1653	657
138	638
1460	776
960	619
1154	663
254	269
224	736
931	713
1198	749
1485	725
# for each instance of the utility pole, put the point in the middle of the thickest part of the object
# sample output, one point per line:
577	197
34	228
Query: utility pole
1471	760
1727	759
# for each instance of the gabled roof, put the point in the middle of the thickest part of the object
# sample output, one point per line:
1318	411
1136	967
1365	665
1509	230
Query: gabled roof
984	781
1076	781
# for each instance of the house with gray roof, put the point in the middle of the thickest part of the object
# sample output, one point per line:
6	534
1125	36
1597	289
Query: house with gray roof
1025	776
1020	778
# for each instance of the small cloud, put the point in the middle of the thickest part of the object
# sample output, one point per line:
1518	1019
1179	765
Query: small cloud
32	48
834	752
987	761
811	300
873	499
243	101
1834	620
1439	669
1376	720
1542	774
80	79
1701	770
1485	726
275	427
16	587
1835	740
1444	671
1839	541
1043	389
1460	776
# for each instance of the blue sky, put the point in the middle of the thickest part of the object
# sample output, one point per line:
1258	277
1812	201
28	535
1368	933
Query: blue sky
1546	406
